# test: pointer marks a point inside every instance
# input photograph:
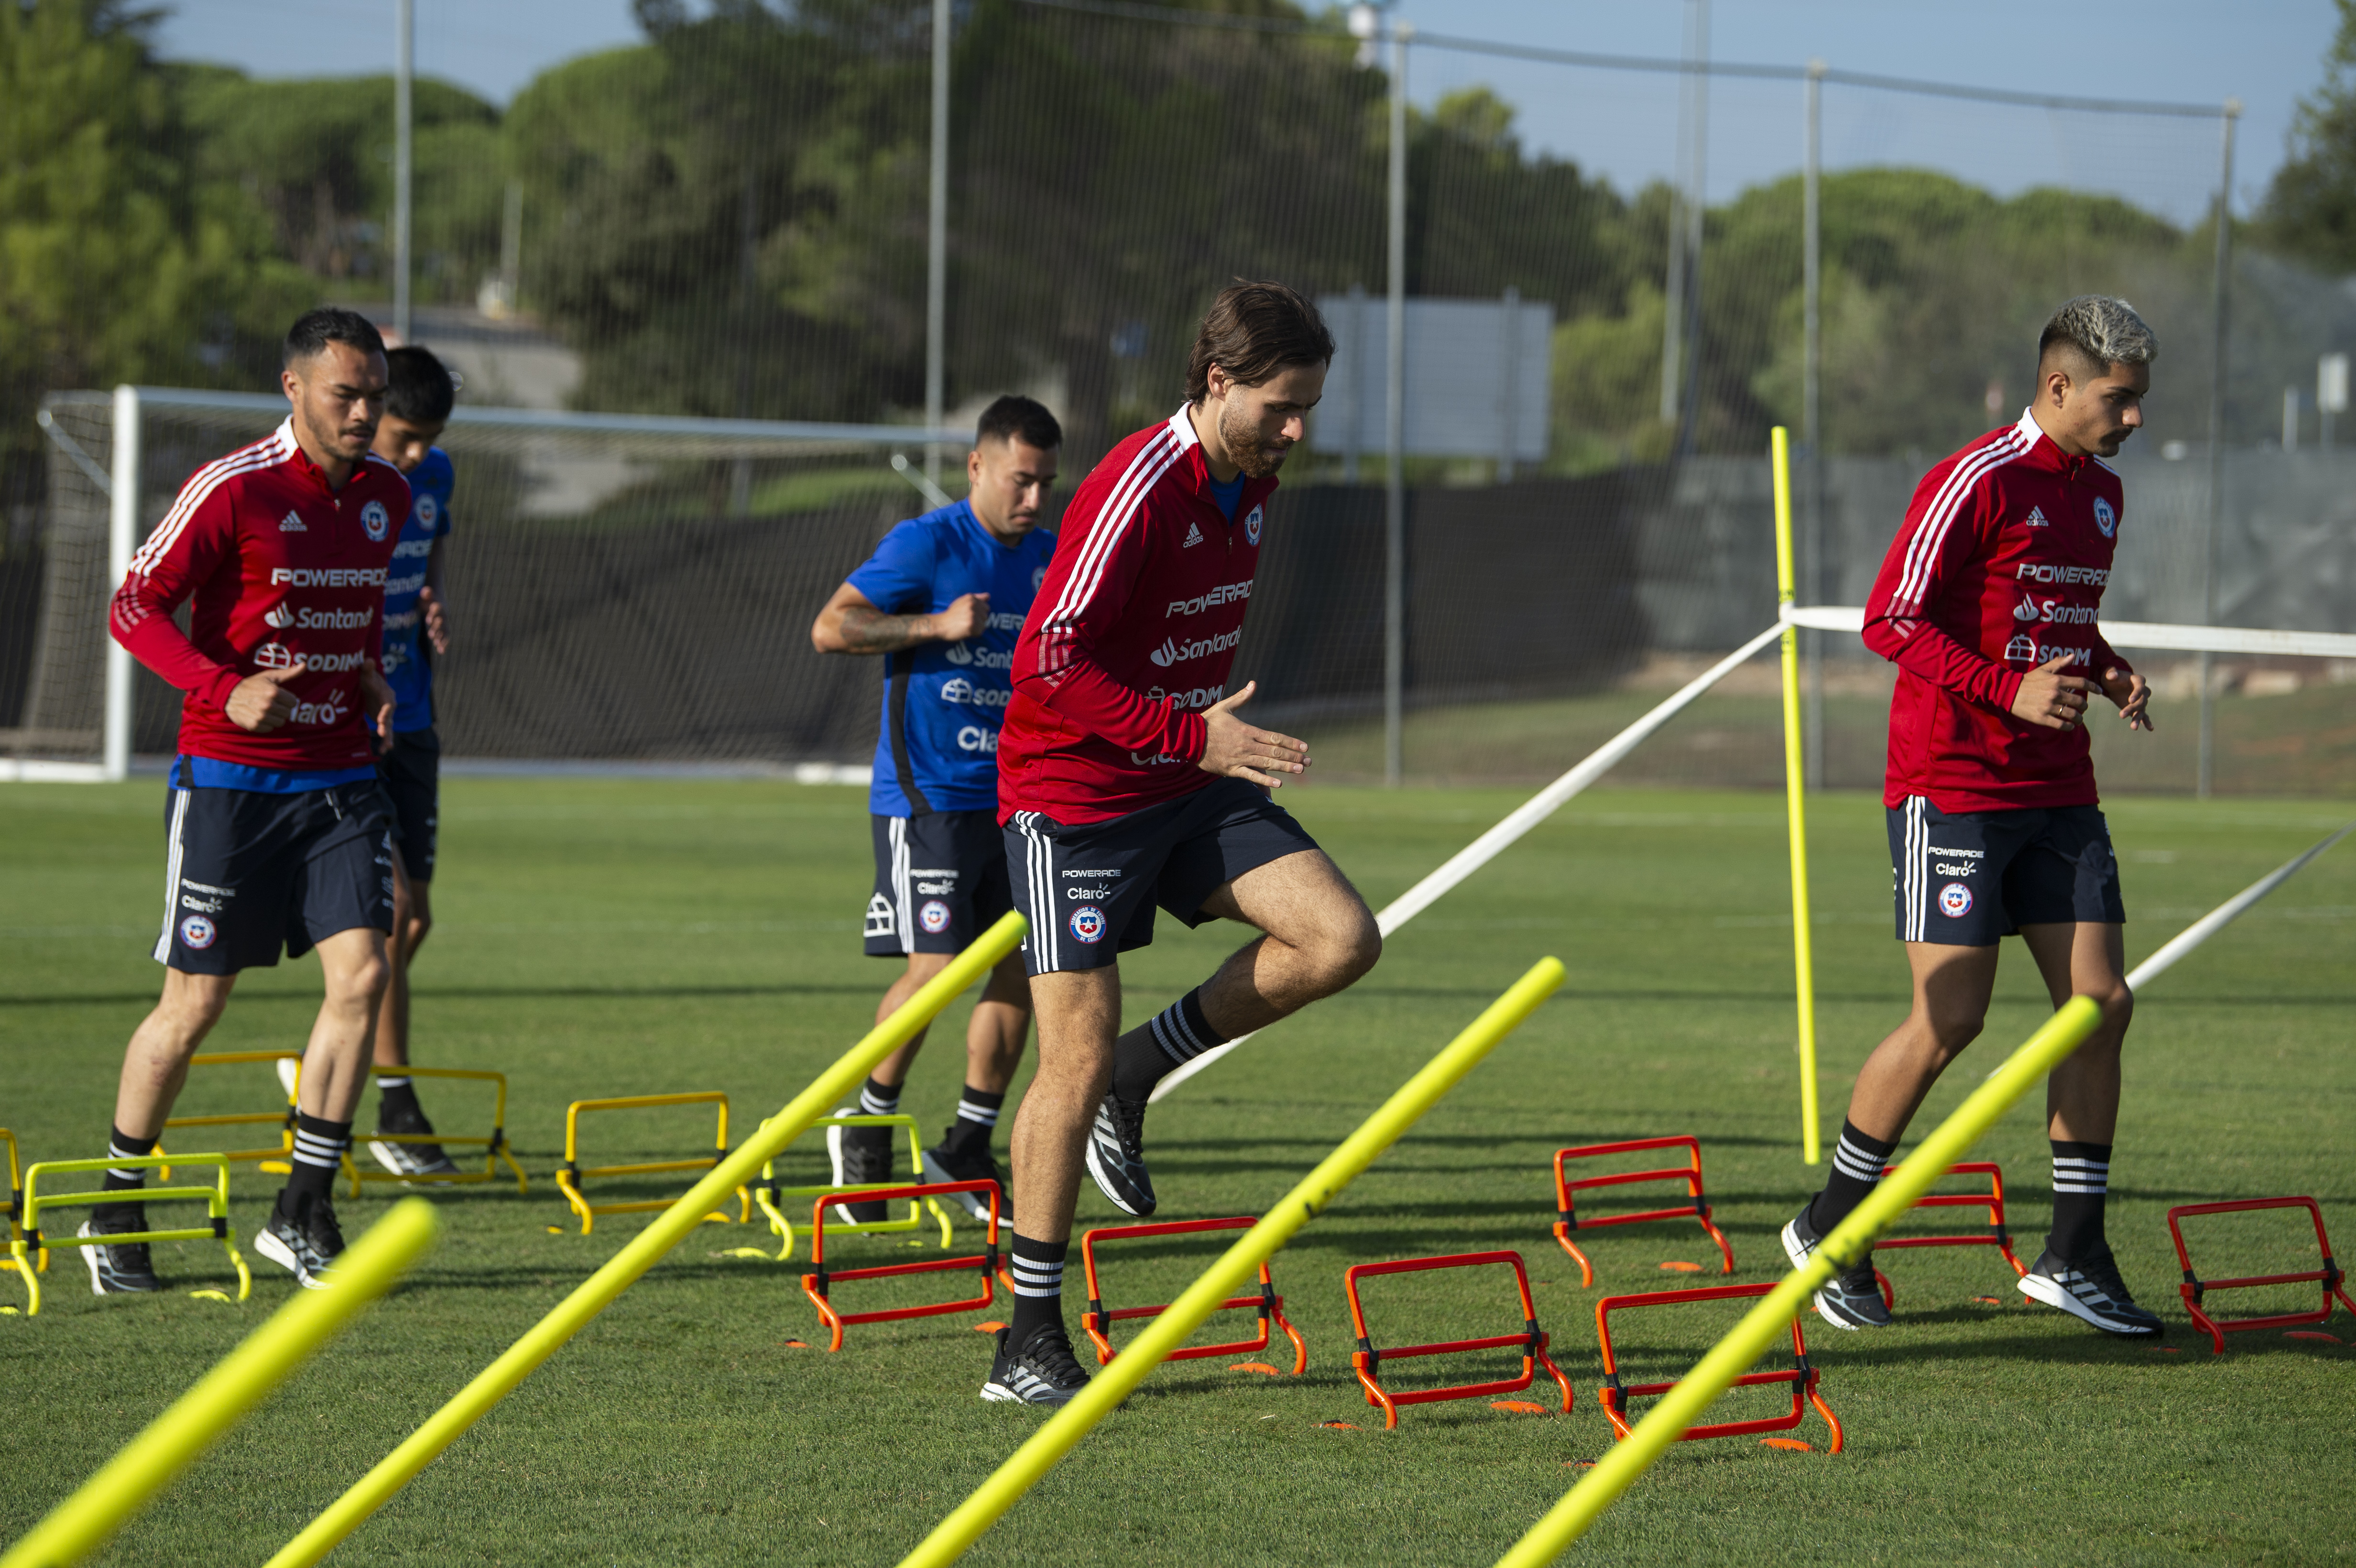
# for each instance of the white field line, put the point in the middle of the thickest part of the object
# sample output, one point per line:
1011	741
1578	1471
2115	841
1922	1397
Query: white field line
1524	817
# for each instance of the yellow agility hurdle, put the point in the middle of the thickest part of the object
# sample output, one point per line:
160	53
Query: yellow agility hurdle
644	1250
1240	1262
767	1191
278	1155
572	1174
30	1244
16	1227
291	1335
493	1144
1850	1242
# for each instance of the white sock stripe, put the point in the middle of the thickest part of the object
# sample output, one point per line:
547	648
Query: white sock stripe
986	1115
395	1082
1857	1169
1176	1040
871	1104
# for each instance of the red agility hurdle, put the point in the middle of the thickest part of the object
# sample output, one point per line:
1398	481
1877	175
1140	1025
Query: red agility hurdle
1098	1322
1531	1340
1615	1394
2194	1287
1996	1235
817	1282
1566	1219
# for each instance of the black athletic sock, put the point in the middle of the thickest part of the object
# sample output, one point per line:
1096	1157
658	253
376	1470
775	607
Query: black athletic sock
396	1102
977	1113
2082	1180
1171	1039
122	1146
1037	1268
1857	1161
879	1100
319	1147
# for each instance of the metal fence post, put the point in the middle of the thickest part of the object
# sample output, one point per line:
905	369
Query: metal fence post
2220	298
1395	434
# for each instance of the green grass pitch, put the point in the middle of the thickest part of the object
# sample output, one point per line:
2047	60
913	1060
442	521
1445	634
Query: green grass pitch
603	938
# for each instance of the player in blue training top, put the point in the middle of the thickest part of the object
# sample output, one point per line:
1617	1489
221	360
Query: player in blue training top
419	394
942	599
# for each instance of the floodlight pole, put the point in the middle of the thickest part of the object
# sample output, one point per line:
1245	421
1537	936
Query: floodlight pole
1812	352
2221	297
937	245
1395	433
404	52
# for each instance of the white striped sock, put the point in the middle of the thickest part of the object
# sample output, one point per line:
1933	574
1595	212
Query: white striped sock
2071	1174
1856	1163
1036	1279
872	1104
310	1148
134	1176
983	1116
1176	1036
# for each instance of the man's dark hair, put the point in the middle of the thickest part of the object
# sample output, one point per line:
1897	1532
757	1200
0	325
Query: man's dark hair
418	387
1251	332
1018	418
315	329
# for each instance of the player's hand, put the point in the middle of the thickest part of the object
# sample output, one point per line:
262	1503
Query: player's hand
967	616
437	620
376	692
1236	750
2132	693
2050	698
261	702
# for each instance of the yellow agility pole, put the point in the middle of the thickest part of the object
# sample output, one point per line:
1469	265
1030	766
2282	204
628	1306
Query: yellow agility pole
291	1335
1108	1388
1795	790
664	1231
1849	1245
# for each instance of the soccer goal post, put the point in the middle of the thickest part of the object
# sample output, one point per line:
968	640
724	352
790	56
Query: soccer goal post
597	556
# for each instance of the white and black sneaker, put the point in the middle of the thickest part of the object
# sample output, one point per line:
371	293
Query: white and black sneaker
305	1243
1044	1371
944	1164
120	1268
410	1162
1850	1299
2090	1288
860	1154
1117	1156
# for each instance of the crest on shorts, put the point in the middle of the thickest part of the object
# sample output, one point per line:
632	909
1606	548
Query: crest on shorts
1088	923
1251	527
197	932
376	520
2104	517
1954	900
934	916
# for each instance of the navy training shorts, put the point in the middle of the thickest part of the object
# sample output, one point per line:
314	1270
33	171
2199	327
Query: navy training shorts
249	871
411	777
1966	879
1089	891
940	882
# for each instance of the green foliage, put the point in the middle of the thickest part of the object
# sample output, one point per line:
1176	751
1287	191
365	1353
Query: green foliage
2310	208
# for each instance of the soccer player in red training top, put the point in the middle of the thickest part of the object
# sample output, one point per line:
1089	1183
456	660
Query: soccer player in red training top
1987	604
1126	780
276	830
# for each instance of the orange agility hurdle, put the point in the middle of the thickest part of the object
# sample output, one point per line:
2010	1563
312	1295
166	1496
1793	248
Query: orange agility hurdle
2194	1287
820	1279
1366	1359
1098	1322
1615	1394
1996	1235
1567	1218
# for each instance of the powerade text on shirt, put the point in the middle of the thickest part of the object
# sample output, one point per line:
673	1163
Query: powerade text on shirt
943	703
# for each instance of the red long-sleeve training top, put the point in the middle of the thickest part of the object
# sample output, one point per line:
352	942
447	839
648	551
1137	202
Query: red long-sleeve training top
2000	567
277	568
1132	634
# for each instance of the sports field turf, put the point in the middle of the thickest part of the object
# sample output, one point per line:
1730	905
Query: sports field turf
602	938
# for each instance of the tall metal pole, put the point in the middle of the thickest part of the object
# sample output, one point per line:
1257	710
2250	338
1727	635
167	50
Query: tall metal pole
122	499
2221	297
937	245
1811	353
1395	434
1697	207
404	51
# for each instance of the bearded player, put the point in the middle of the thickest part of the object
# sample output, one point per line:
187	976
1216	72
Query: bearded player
1126	780
1987	604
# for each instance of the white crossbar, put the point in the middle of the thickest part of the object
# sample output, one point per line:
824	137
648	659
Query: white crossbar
2225	913
2160	635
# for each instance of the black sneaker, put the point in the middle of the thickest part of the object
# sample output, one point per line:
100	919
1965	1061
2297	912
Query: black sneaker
305	1243
860	1154
410	1162
1044	1371
122	1268
1850	1299
1117	1156
943	1163
2090	1288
